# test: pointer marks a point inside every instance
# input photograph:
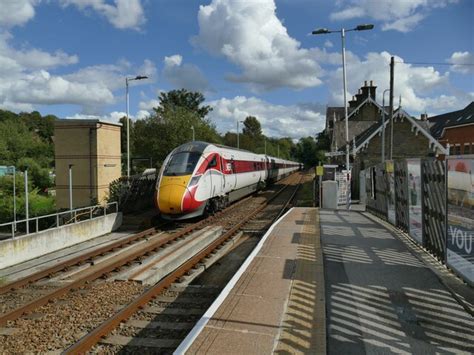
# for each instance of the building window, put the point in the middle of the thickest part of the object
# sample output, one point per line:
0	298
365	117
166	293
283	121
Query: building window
457	149
467	148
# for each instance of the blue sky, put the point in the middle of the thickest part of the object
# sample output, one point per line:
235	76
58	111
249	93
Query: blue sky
249	57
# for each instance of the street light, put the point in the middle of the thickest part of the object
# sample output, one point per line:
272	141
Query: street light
138	77
383	125
343	31
238	144
192	128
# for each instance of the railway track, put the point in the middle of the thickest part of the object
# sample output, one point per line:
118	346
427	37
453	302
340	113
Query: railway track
92	294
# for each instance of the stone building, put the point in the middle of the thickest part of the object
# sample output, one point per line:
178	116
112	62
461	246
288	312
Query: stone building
411	137
92	147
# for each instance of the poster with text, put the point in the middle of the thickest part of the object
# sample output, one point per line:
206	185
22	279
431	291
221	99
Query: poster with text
389	168
460	196
414	200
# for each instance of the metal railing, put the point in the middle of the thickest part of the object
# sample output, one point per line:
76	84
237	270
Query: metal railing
56	220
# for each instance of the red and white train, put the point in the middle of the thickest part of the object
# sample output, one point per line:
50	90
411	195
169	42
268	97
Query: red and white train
200	177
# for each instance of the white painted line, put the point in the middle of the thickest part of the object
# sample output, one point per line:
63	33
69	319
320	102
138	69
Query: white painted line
194	333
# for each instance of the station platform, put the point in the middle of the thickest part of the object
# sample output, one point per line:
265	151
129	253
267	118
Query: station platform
337	282
275	303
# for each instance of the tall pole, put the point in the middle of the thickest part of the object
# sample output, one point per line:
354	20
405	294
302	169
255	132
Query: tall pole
238	145
128	129
70	187
348	197
392	66
383	125
265	140
14	198
278	149
26	203
192	127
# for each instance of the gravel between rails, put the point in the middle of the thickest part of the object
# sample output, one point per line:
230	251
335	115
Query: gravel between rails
66	320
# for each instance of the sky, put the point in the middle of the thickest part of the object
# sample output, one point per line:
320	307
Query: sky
70	58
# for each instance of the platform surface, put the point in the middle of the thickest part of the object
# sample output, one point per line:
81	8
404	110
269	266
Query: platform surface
382	298
277	304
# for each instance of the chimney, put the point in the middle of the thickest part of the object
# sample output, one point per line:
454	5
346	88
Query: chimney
372	90
365	91
424	117
353	102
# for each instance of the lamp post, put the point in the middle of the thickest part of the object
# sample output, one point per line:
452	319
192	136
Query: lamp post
238	143
70	186
192	128
138	77
14	195
383	125
27	215
343	31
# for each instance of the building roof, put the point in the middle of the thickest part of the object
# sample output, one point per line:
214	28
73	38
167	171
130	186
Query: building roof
451	119
418	126
85	122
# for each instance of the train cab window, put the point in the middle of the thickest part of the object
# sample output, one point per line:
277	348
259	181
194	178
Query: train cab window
212	163
182	164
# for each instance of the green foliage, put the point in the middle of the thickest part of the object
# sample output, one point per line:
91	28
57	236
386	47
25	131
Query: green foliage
252	127
191	101
38	203
170	126
311	151
28	135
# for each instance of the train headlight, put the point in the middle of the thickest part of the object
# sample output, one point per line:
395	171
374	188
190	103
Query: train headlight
194	180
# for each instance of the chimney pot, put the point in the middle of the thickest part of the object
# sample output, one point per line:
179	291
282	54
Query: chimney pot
365	82
371	83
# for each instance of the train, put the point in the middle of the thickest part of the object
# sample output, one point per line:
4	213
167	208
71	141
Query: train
200	178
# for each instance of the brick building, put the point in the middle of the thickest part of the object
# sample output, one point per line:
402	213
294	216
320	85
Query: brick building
456	129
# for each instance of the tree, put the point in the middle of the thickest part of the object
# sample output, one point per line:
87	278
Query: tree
182	98
252	127
170	126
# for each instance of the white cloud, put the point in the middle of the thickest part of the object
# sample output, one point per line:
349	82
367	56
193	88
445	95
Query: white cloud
16	12
33	58
399	15
463	62
28	79
328	44
419	86
185	76
123	14
293	121
148	105
249	34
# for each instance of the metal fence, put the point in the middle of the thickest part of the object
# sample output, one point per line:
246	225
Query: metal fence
420	200
434	206
55	220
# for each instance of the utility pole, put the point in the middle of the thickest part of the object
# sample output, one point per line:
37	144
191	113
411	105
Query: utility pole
392	66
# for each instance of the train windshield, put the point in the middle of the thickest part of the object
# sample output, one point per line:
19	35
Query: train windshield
182	163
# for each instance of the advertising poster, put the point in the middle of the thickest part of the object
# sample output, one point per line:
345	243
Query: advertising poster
460	198
414	200
389	168
343	187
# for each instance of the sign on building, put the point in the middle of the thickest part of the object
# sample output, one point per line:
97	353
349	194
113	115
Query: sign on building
460	198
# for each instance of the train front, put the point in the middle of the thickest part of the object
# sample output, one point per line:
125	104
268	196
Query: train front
177	183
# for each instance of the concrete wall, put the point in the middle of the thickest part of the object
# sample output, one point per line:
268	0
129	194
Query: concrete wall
17	250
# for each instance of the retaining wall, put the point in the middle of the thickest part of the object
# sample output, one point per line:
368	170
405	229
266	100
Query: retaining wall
17	250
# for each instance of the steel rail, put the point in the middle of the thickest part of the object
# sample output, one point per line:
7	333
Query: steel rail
94	253
101	270
91	339
76	260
